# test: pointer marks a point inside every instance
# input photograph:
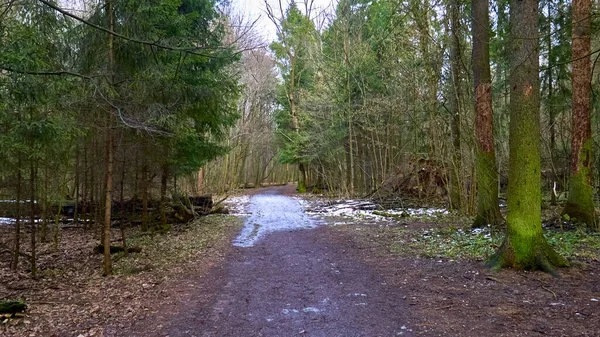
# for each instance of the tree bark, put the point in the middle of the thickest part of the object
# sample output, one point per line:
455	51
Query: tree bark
456	202
200	186
524	246
17	246
163	195
302	178
77	183
84	194
107	263
488	211
145	187
551	110
580	205
32	223
44	229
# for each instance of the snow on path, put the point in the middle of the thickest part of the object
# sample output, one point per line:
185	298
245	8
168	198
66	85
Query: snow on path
272	213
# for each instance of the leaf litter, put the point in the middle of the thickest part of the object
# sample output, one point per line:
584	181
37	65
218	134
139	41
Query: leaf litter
72	298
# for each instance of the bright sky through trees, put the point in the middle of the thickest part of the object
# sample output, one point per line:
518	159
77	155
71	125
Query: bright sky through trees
253	9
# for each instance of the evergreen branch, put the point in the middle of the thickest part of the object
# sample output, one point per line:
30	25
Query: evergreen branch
571	61
124	37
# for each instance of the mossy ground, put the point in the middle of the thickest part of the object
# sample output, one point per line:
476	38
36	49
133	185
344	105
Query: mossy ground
451	236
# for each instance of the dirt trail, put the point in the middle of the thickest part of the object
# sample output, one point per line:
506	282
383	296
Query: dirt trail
287	276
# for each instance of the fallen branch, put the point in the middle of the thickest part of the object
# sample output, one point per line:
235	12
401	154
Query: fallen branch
6	248
550	291
216	208
491	278
99	249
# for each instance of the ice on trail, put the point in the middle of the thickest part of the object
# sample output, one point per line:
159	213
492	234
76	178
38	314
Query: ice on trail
271	213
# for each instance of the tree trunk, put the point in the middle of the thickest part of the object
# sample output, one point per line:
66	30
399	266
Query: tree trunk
200	185
551	110
94	188
351	173
145	186
32	223
163	195
524	245
456	194
56	228
122	205
488	211
302	179
84	196
77	183
17	246
580	205
44	231
107	263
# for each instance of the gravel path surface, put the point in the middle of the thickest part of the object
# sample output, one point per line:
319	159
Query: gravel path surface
286	276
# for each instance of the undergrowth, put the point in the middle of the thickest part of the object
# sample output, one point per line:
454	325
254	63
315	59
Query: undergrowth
478	244
180	244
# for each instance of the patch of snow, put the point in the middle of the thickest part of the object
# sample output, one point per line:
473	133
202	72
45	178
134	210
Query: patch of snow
7	221
311	309
366	210
272	213
289	311
237	205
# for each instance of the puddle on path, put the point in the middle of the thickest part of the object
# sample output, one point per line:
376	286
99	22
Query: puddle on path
271	213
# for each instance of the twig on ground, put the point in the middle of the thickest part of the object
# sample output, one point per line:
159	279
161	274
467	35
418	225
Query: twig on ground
550	291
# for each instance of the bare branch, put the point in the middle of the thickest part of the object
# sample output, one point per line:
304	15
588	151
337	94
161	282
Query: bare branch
129	124
47	73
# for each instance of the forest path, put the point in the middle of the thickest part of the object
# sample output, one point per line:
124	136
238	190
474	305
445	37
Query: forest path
288	276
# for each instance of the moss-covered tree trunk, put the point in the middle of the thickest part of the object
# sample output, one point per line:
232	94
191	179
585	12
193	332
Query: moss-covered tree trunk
302	178
580	204
524	246
488	211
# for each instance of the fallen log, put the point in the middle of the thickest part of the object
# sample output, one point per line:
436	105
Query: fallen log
99	249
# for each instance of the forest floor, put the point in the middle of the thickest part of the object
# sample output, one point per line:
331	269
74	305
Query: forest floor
307	267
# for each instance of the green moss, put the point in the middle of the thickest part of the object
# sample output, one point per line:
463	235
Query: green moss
457	243
488	211
580	204
301	187
524	245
